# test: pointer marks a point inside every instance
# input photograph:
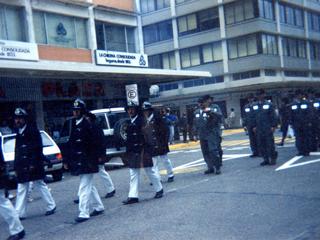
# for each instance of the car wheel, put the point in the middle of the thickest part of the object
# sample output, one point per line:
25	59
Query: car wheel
57	175
120	129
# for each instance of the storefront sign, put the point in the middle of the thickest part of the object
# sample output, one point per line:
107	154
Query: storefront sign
132	94
18	50
121	59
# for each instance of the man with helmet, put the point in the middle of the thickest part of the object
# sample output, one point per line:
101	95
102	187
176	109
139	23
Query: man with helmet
139	155
83	162
28	163
156	135
7	211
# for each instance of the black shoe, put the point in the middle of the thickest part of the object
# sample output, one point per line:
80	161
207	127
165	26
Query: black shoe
80	219
96	213
254	155
22	218
306	154
264	163
218	171
299	154
159	194
130	201
76	201
209	171
17	236
171	179
110	194
48	213
280	144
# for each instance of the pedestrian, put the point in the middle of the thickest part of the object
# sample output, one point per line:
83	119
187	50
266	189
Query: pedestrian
171	121
284	113
101	155
84	162
156	135
231	118
183	124
248	123
138	155
7	210
207	123
265	124
301	120
29	164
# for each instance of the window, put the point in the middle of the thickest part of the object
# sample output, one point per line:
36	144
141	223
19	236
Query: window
316	74
153	5
157	32
202	54
245	75
269	44
270	72
200	21
168	87
163	61
266	9
115	37
239	11
294	47
11	23
315	50
314	21
202	81
296	73
291	15
54	29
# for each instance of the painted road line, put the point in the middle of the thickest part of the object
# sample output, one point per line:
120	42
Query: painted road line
291	163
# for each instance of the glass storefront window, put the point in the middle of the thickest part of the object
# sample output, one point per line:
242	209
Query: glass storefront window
11	23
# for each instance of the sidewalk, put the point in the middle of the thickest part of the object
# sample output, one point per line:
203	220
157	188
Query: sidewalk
195	144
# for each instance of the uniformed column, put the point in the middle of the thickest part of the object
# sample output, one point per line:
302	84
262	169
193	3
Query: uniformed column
175	33
139	38
29	19
92	33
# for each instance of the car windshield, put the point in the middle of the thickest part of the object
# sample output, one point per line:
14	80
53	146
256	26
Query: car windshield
10	142
115	117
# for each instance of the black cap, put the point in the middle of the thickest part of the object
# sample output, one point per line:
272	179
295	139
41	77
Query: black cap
20	112
147	106
78	104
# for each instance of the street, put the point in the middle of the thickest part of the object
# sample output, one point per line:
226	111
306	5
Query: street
246	201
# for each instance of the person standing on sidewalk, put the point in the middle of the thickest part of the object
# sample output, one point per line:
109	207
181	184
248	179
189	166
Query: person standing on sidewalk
248	123
183	125
156	135
7	211
138	155
84	162
207	123
284	113
28	164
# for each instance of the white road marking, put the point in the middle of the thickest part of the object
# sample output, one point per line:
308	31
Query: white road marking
291	162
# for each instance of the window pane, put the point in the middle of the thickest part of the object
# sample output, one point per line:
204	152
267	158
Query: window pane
192	22
229	14
131	39
289	15
248	9
242	48
3	34
60	30
239	14
208	19
185	58
233	53
299	17
182	24
155	61
207	53
151	5
195	56
282	14
39	27
144	6
100	36
165	30
81	30
217	52
150	34
116	39
14	24
172	60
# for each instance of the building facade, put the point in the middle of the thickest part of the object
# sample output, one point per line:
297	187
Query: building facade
246	45
52	51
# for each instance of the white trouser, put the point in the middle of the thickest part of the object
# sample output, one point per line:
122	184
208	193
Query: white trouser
88	196
167	164
22	193
10	215
135	180
106	179
171	133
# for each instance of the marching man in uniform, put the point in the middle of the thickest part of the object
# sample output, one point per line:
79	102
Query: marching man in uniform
138	155
84	163
157	138
7	211
28	164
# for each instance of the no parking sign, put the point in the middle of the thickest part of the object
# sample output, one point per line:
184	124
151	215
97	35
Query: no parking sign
132	94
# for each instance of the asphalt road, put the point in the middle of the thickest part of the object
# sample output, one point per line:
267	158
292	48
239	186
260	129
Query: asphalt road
246	201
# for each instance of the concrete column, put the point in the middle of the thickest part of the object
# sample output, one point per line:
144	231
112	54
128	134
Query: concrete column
224	44
92	33
280	49
175	33
29	18
306	34
139	35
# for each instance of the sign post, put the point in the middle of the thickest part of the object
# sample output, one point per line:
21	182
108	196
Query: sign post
132	94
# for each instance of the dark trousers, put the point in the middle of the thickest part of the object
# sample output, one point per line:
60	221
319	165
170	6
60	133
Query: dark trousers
284	129
266	144
303	139
211	153
253	141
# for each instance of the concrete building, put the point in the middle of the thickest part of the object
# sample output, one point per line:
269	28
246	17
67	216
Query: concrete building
245	44
52	51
